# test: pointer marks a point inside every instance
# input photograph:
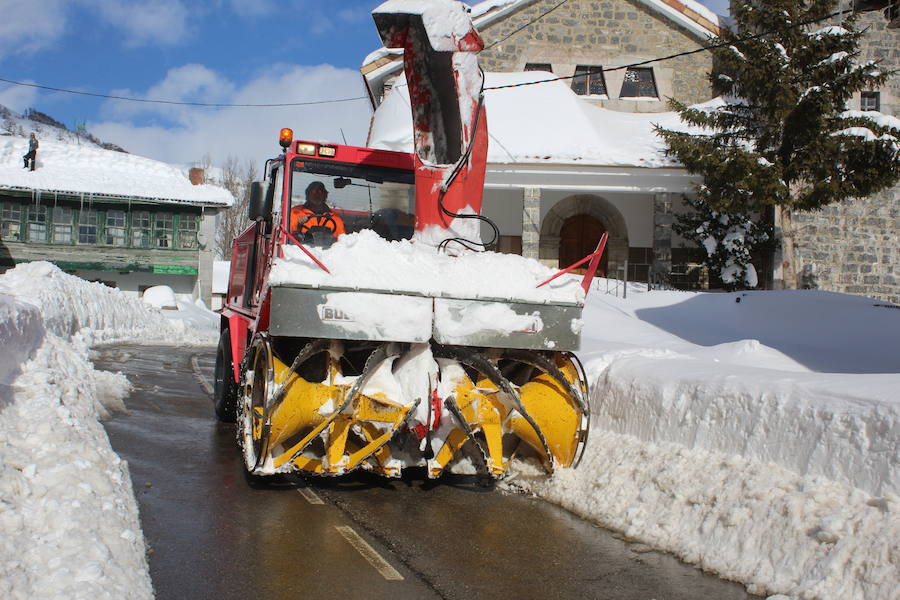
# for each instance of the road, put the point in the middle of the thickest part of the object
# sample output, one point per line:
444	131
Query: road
212	533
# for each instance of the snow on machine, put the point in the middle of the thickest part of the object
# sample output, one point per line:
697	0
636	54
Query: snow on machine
381	333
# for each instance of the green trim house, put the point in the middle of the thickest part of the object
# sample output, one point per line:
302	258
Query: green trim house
85	222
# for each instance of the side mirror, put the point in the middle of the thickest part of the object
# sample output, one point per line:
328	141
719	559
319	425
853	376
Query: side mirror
260	208
341	182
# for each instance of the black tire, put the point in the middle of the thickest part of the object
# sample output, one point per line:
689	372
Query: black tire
225	390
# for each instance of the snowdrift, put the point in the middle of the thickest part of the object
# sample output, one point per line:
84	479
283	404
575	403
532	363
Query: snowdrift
69	523
746	456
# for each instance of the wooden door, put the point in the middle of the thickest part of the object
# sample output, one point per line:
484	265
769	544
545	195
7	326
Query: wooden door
578	238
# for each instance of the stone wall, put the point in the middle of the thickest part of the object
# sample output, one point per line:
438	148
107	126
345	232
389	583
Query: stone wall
853	247
607	33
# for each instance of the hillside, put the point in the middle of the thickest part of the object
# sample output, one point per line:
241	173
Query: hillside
46	127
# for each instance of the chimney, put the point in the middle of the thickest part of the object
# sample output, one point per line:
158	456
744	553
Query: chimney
197	176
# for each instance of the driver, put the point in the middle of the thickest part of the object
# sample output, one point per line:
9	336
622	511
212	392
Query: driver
315	215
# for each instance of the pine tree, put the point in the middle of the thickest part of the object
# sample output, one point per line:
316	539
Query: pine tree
782	135
729	239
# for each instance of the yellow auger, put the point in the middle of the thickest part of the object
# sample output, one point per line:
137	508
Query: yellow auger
321	421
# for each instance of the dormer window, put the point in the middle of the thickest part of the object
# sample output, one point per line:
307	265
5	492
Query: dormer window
639	83
546	67
588	81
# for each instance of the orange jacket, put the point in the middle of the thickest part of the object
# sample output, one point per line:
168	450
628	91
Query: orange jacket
332	221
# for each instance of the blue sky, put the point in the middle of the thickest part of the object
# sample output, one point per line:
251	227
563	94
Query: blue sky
222	51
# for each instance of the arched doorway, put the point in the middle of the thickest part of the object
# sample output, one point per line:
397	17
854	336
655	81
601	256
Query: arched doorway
579	206
578	237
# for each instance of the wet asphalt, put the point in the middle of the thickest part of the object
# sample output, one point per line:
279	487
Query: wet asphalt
212	533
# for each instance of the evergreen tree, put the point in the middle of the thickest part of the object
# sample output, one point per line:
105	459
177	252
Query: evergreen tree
729	239
783	135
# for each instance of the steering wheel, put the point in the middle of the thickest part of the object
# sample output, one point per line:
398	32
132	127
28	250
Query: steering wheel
321	234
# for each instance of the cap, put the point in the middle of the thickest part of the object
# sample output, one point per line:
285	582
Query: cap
316	184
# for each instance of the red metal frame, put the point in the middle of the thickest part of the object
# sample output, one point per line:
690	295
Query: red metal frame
594	257
246	309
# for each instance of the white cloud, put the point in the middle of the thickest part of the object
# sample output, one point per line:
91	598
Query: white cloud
251	133
151	22
188	83
18	98
30	25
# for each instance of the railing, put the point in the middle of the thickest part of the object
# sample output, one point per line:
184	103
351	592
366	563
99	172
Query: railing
619	279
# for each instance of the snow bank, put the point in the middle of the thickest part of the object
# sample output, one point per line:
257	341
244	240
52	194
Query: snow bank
86	169
21	328
365	260
754	434
101	314
69	525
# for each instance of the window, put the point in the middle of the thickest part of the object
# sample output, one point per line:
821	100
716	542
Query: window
140	229
37	223
588	81
115	228
639	83
62	225
871	101
163	229
539	67
188	225
11	221
87	226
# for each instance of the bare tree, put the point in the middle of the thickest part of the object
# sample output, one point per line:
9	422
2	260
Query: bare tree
236	178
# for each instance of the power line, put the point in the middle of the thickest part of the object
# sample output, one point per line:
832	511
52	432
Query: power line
177	103
528	24
498	87
672	56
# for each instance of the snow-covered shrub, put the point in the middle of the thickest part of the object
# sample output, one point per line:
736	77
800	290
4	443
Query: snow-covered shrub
729	239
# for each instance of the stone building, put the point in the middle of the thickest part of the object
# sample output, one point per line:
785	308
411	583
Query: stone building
854	247
551	203
123	220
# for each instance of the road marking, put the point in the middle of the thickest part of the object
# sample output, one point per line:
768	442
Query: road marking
381	565
310	496
201	379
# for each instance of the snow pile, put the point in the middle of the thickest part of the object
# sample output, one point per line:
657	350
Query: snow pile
100	314
89	170
21	328
365	260
762	444
577	132
68	517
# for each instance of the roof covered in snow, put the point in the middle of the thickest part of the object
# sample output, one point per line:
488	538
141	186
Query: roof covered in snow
66	167
575	132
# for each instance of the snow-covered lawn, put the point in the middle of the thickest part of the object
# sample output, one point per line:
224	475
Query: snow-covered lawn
754	434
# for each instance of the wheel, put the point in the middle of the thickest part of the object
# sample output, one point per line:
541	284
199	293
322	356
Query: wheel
225	390
257	384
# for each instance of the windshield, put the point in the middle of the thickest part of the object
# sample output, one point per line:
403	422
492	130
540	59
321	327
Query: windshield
324	207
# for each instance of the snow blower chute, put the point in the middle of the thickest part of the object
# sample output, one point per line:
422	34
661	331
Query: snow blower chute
358	335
